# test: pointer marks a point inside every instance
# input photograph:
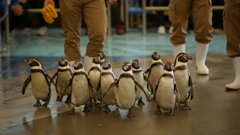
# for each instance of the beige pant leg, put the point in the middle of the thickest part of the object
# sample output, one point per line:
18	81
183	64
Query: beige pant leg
202	15
178	15
71	13
96	20
231	17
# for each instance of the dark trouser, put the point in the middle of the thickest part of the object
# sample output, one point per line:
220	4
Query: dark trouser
93	12
231	18
217	14
201	10
15	21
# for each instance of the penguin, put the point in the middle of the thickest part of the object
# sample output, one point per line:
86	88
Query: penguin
94	76
101	55
126	90
63	74
80	86
155	70
107	77
138	74
41	82
166	91
183	79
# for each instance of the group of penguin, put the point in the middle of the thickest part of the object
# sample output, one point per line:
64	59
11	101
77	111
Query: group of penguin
167	84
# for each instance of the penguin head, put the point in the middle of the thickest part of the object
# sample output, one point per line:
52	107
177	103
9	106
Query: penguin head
126	66
136	64
106	65
182	57
96	60
63	62
156	56
77	65
168	66
34	63
101	55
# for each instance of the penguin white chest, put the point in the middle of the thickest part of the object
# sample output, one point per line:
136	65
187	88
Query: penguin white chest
165	96
109	98
125	96
40	86
181	77
156	72
94	76
62	79
80	90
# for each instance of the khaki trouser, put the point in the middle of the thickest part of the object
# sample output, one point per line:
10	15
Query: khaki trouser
231	18
93	12
201	10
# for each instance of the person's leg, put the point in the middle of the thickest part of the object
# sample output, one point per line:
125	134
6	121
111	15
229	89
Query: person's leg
160	16
94	14
232	30
202	15
115	14
71	12
178	15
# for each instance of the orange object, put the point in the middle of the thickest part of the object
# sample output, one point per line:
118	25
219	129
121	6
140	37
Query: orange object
49	12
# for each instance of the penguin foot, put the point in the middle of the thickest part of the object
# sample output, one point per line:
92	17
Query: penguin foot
171	113
86	109
158	112
72	112
59	99
37	105
101	105
68	101
107	110
186	107
130	115
117	112
140	102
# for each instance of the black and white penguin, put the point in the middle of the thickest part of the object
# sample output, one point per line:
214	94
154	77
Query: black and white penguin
138	74
94	75
107	77
80	88
101	55
63	75
41	86
183	79
126	90
155	70
166	91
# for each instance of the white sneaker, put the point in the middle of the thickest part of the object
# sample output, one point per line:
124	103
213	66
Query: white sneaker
42	31
161	30
27	31
170	29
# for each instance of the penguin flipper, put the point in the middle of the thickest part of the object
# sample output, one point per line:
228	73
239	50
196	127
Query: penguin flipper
147	93
55	75
51	81
115	83
190	84
68	84
148	82
25	84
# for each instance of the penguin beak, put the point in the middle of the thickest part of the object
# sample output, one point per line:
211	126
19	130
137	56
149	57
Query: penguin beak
189	57
27	61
